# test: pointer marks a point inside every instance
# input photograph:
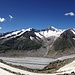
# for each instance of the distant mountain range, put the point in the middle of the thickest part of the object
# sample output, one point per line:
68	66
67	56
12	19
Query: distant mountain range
48	42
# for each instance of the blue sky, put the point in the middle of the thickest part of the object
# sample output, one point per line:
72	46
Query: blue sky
38	14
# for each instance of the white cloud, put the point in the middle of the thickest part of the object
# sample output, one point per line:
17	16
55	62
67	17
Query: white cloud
70	14
2	19
11	17
0	27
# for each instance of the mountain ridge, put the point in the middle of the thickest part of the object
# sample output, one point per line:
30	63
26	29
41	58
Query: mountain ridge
51	28
46	42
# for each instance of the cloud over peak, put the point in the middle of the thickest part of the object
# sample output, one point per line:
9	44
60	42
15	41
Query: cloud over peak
70	14
2	19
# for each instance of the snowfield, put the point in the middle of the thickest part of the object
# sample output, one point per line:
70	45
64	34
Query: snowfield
3	72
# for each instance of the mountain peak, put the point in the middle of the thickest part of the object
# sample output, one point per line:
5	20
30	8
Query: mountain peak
29	29
52	29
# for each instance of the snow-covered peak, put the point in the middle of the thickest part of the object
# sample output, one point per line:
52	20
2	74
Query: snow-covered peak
52	28
23	30
58	30
49	32
46	33
16	33
29	29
